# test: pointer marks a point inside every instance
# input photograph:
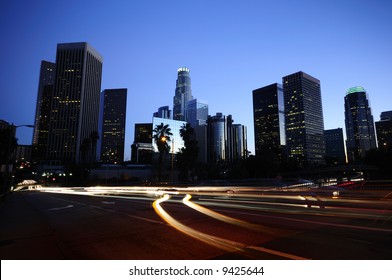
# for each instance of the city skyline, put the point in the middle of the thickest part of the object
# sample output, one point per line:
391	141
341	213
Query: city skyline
231	49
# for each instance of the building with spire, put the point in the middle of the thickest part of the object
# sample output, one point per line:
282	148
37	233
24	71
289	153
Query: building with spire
183	94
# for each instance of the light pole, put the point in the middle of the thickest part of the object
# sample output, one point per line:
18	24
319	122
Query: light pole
172	163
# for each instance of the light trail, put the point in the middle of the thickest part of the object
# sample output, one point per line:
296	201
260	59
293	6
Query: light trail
227	219
217	242
220	243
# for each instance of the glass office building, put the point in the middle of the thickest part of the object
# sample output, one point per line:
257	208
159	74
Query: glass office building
42	111
269	120
334	146
112	125
197	112
304	120
384	131
359	124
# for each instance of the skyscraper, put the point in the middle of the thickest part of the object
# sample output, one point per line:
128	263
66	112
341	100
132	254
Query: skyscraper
112	125
239	142
43	109
384	131
359	124
218	133
334	146
304	119
163	112
142	144
73	125
197	112
269	122
183	95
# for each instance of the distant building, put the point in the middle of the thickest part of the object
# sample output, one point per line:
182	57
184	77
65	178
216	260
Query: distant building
334	146
197	112
218	128
269	120
22	153
183	95
359	124
304	119
142	144
239	142
384	132
73	125
112	125
163	112
42	111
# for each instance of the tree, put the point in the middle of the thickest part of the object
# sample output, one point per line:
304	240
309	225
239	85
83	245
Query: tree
187	156
162	139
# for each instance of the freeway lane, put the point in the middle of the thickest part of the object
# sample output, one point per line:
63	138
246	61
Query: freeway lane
99	223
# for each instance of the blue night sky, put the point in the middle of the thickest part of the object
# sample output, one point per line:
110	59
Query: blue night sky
231	48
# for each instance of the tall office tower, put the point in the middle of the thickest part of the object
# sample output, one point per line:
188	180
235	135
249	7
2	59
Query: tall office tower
73	125
359	124
163	112
183	95
239	142
218	133
269	120
304	119
334	146
197	112
42	111
112	125
142	144
384	132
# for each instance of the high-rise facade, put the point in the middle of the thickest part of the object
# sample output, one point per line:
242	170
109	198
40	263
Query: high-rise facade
269	120
197	112
239	142
218	133
359	124
183	95
304	120
334	146
142	144
163	112
43	109
73	129
384	132
112	125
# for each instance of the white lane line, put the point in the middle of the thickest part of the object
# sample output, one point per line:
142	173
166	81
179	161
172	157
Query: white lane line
108	202
145	219
60	208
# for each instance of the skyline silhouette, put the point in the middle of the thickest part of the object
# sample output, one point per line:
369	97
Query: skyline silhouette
231	48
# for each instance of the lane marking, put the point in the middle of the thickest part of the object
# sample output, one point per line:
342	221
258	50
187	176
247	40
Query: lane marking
60	208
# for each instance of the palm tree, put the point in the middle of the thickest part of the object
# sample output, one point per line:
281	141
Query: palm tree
161	137
188	155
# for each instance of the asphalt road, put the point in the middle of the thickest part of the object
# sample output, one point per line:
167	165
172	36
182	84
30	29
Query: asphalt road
195	223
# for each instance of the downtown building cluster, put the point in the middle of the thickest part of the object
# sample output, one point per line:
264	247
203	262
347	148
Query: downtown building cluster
289	124
77	122
219	139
